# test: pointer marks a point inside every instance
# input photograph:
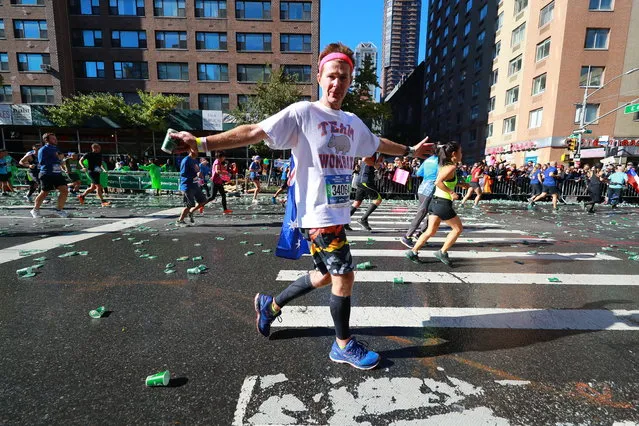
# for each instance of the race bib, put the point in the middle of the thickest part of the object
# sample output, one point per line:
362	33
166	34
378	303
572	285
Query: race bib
338	190
56	168
97	169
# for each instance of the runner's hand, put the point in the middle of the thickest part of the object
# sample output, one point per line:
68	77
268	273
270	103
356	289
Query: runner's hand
186	142
454	196
424	148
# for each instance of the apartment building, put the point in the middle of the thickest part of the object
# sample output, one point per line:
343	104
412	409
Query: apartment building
366	51
458	65
400	41
548	55
210	52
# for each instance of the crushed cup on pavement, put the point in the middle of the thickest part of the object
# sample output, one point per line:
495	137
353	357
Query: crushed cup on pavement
196	258
69	254
364	265
24	271
194	271
169	266
158	379
182	259
97	312
169	271
40	259
219	238
202	268
266	251
554	280
398	280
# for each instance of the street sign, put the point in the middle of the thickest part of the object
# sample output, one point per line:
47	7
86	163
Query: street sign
631	109
579	131
587	131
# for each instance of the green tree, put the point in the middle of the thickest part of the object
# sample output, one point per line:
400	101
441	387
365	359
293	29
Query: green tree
359	100
151	112
267	98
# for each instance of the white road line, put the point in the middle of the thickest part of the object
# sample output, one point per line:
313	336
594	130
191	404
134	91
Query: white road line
528	240
458	254
66	220
408	218
13	253
243	400
442	229
491	318
495	227
479	278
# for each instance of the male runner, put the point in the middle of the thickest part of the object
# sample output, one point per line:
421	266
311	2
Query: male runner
71	166
94	168
366	188
324	142
50	177
30	161
194	198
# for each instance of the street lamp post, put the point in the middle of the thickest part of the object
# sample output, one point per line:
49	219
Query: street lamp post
582	117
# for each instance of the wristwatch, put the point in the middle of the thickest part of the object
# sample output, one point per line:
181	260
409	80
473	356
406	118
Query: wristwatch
410	151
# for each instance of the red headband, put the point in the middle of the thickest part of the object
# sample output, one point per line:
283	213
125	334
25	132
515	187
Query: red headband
335	56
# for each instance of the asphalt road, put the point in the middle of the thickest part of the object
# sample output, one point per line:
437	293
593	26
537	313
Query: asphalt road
491	341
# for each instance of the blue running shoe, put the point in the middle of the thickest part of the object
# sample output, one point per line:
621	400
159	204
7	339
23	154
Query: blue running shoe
264	314
356	354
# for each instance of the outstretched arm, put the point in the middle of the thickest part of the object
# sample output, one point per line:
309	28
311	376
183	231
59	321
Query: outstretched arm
421	150
243	135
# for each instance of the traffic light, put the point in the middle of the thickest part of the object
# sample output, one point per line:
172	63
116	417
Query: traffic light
571	144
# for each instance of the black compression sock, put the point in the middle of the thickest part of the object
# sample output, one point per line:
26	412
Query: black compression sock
370	210
341	313
298	288
353	210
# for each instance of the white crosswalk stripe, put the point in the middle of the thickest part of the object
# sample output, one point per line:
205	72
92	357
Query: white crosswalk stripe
390	223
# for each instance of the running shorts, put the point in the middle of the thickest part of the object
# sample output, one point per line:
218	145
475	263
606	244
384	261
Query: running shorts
51	182
550	190
442	208
536	189
74	177
193	195
364	190
330	250
95	177
4	177
474	185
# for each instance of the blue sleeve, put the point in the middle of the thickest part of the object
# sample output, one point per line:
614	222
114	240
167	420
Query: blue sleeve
421	170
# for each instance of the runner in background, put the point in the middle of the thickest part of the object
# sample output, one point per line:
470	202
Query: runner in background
616	182
366	188
71	167
255	173
595	177
219	178
93	168
475	175
204	175
549	186
5	172
428	171
49	159
284	184
194	198
30	161
535	182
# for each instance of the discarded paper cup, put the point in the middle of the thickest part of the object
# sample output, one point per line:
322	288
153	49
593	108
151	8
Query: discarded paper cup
364	265
159	379
24	271
193	271
97	312
398	280
169	143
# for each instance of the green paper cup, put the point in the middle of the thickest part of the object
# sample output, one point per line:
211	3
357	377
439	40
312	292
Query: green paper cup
194	271
398	280
97	312
159	379
169	143
24	271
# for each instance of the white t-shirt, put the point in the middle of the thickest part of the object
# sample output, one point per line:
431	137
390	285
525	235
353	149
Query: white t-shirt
324	143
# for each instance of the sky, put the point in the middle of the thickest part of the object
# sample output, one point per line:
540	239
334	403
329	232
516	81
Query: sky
356	21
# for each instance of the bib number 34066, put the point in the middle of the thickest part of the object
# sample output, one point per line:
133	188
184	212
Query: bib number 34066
338	189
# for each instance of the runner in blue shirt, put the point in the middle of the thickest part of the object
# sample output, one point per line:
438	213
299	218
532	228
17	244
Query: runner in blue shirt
549	186
428	171
617	181
5	172
535	183
194	198
49	158
284	185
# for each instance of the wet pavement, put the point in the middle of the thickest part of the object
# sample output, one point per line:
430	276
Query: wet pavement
537	323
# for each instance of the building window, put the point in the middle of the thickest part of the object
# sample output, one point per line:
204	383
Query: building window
253	42
84	7
131	70
295	43
517	35
539	84
514	66
6	95
126	7
520	5
170	39
253	73
591	76
169	8
186	100
483	12
445	33
33	62
534	120
491	104
37	94
4	61
510	124
467	29
494	76
213	72
465	51
454	42
295	11
28	2
469	5
489	130
128	39
456	19
496	49
301	73
543	50
30	29
89	69
210	41
499	22
545	15
474	112
477	64
2	33
592	112
600	5
481	38
475	88
213	102
173	71
597	38
512	95
86	38
253	9
210	8
444	51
